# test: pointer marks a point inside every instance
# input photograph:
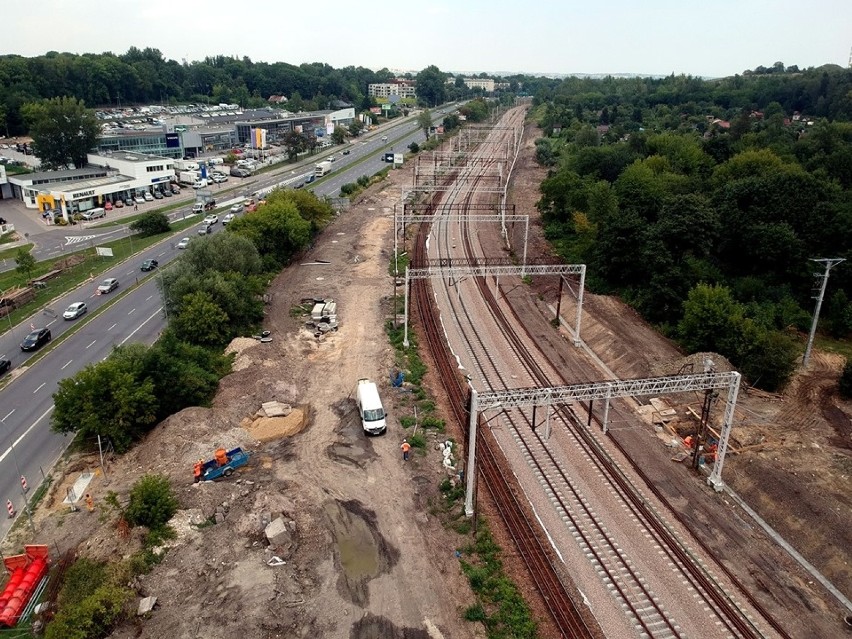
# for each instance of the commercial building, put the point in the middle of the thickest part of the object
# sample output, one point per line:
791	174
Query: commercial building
486	84
106	178
402	88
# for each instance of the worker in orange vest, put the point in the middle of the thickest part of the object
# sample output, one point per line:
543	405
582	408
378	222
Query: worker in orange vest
90	503
198	470
406	448
221	456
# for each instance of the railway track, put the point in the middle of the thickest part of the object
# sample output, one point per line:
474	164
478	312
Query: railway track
641	605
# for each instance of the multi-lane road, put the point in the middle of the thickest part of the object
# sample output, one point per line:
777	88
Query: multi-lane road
27	445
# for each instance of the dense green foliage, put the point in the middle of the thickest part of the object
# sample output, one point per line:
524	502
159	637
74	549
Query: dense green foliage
152	502
845	384
63	131
123	396
152	223
701	210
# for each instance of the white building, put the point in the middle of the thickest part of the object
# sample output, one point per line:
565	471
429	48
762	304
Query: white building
106	178
402	88
486	84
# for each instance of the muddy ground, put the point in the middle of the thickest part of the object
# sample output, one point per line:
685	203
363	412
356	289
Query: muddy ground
365	558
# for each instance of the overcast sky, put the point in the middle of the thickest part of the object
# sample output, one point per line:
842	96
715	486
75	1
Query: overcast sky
649	37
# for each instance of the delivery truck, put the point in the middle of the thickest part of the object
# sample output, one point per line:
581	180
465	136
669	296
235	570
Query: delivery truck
323	168
189	177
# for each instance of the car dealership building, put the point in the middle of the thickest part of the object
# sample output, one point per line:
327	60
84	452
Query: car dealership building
106	178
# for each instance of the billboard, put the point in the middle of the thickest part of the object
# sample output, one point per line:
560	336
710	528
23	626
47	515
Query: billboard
258	138
172	141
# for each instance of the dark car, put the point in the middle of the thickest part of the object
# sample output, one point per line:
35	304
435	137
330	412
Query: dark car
36	339
149	265
5	365
346	151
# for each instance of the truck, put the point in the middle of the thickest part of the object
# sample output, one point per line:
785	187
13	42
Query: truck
214	469
323	168
370	408
188	177
186	165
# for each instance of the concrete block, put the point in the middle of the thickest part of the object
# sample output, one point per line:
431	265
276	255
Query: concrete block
278	533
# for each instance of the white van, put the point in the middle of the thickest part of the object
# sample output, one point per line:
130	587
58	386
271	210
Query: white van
370	407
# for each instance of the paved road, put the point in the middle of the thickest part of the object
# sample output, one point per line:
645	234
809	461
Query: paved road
29	447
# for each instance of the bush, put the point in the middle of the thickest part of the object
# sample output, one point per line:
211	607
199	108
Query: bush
152	502
414	147
349	188
407	421
152	223
417	441
83	578
94	616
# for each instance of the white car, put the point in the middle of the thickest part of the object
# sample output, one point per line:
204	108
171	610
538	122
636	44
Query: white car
139	199
211	219
75	310
183	243
148	197
228	218
200	184
218	178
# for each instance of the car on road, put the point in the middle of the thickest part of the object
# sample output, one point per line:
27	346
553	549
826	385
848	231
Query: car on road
347	151
108	286
148	197
5	365
94	214
384	138
75	310
228	218
204	229
139	199
149	265
36	339
239	207
183	243
211	219
331	158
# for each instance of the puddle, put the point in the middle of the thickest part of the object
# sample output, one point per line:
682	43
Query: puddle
351	446
361	552
372	627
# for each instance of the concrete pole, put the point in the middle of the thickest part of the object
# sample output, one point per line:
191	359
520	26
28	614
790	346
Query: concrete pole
579	306
471	453
405	330
829	263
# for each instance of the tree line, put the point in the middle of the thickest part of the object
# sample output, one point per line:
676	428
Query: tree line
703	211
144	76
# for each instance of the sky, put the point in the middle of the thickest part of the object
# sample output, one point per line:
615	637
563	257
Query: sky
646	37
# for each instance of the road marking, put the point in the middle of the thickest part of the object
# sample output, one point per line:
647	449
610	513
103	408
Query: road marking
92	344
39	388
131	311
113	326
50	322
129	273
8	414
149	297
66	364
25	433
153	315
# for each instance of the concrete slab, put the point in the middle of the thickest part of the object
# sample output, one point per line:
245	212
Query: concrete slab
79	488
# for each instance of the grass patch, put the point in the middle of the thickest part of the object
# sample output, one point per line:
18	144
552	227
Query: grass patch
417	441
407	421
832	345
10	253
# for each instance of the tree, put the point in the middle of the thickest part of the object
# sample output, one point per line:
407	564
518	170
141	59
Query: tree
712	320
844	385
424	121
414	147
152	223
110	398
338	135
152	502
431	86
25	262
201	320
63	131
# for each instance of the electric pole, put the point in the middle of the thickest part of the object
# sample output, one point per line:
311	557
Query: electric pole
829	264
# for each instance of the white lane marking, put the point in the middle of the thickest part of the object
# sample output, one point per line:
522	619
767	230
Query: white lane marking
39	388
92	344
129	273
131	311
25	433
9	413
66	364
161	254
50	322
113	326
153	315
148	298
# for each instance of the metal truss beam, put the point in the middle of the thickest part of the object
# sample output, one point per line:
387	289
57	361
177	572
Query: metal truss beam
421	218
482	270
563	395
472	206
